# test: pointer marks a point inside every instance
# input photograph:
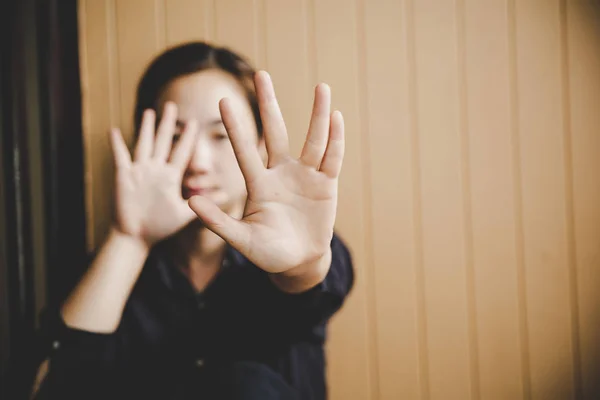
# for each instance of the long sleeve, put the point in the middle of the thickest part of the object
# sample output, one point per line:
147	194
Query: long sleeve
81	364
314	307
78	363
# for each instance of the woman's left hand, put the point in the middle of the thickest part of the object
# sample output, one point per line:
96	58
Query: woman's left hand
291	206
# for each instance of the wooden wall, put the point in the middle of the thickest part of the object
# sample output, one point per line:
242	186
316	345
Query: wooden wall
470	193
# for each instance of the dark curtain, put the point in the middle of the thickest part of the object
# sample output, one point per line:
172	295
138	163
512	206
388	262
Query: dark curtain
42	215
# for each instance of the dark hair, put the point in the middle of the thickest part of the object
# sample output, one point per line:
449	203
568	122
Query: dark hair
187	59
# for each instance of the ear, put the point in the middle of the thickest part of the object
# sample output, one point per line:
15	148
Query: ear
262	150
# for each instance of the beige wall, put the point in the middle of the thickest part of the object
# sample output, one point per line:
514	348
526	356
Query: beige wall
471	189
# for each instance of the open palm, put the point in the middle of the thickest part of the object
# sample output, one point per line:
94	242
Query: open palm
291	206
149	204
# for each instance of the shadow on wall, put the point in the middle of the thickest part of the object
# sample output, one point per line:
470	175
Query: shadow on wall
587	375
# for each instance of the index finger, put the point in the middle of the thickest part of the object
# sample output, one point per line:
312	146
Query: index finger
244	144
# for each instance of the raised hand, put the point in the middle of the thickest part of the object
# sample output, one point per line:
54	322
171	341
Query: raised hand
149	204
291	206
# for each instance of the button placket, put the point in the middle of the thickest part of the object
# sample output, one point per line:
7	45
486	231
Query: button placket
200	302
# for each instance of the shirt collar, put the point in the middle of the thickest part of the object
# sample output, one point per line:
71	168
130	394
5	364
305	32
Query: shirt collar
173	279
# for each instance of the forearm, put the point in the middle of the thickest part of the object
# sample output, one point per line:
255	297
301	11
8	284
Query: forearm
303	277
97	302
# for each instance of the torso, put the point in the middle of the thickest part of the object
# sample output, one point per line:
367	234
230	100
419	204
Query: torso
235	315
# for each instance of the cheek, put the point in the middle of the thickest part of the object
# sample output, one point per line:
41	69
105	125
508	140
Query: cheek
230	171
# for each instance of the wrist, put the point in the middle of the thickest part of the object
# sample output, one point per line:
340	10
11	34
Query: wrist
131	241
319	266
305	276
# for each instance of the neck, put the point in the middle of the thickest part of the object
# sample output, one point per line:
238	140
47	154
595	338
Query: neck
197	247
199	252
205	245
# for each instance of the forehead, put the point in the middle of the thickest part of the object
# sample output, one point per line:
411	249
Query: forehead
197	95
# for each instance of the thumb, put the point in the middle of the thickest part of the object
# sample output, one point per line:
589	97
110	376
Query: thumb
234	232
187	214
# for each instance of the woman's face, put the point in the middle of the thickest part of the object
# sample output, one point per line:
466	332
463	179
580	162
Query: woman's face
213	170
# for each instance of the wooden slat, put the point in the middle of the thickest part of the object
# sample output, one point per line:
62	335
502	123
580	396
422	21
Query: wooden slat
188	20
336	59
540	129
443	221
286	33
583	41
236	27
100	99
487	81
138	44
391	133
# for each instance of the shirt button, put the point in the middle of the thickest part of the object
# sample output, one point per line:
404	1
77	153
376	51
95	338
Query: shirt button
55	345
199	363
201	305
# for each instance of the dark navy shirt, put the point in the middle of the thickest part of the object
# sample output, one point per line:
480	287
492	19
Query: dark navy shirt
241	337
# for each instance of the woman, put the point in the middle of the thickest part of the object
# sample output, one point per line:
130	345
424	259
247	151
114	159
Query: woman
221	268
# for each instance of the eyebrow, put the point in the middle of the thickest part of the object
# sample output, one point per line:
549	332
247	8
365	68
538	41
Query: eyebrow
217	121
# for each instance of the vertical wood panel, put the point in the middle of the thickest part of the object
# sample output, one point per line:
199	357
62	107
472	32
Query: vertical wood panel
84	58
518	201
160	23
543	188
137	44
260	37
467	207
365	145
100	99
188	20
583	42
569	206
390	127
443	230
494	258
421	309
236	27
335	25
286	33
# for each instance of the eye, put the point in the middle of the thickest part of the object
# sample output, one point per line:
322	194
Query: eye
220	136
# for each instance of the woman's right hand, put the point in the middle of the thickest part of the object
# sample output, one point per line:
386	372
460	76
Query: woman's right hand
149	204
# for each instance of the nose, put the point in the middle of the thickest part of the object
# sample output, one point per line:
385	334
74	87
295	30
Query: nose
202	157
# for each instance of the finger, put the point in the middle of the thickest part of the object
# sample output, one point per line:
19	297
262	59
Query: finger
121	153
185	147
334	155
274	130
318	131
166	129
143	149
244	145
233	231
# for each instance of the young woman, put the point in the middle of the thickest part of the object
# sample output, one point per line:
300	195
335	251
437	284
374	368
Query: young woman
222	268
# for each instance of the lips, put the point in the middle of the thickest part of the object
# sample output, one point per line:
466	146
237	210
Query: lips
189	191
198	191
